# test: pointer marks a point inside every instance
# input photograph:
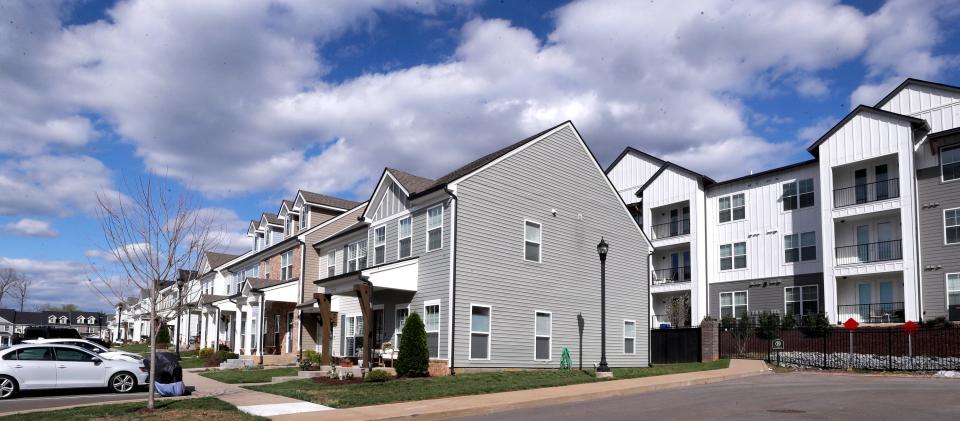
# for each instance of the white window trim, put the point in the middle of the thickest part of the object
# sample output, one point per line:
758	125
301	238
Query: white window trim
732	207
393	339
375	245
944	224
410	218
535	336
799	235
940	164
946	281
439	319
489	332
623	332
539	242
733	257
816	288
733	302
286	274
356	255
426	236
331	262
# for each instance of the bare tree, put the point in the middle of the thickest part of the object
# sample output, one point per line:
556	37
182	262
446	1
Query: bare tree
8	278
21	288
148	236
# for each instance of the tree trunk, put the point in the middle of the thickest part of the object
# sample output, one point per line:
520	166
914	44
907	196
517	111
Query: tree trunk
153	354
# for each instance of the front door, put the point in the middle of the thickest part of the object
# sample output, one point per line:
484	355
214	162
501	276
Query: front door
377	329
883	191
860	181
76	368
863	243
289	332
276	334
674	222
885	249
886	296
864	300
674	266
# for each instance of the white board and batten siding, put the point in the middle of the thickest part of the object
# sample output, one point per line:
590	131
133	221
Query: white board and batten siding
764	227
939	107
631	172
554	173
389	201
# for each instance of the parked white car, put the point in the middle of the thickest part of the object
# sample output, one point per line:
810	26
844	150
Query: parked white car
105	353
55	366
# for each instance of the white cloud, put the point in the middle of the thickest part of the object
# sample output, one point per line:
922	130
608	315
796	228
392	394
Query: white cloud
53	185
57	282
750	154
31	228
813	87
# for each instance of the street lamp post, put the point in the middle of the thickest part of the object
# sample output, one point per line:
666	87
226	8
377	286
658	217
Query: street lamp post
179	310
603	370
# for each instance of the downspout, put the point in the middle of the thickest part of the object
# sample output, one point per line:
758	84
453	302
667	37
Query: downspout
453	281
261	322
917	238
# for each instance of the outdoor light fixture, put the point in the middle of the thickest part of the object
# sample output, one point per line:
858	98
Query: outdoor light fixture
603	370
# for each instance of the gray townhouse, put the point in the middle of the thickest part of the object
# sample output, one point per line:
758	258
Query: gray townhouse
868	229
499	257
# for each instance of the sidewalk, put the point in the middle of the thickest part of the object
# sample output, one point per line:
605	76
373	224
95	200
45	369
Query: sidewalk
249	401
496	402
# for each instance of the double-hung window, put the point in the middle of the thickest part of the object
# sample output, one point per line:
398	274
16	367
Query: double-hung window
629	336
402	314
352	332
357	256
435	228
733	304
800	300
331	263
532	241
800	247
288	224
286	265
950	162
266	269
543	331
431	324
304	214
379	245
953	289
798	194
404	236
733	207
479	332
733	256
951	226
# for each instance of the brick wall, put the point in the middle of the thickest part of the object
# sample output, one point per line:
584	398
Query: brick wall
709	340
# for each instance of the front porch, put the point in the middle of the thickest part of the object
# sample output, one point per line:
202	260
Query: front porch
670	309
871	299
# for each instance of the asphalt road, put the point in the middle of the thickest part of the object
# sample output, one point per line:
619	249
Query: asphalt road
776	396
32	400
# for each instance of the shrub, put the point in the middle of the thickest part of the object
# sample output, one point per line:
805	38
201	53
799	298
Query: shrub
742	332
816	325
414	357
215	358
205	352
768	326
377	376
728	322
937	322
163	337
789	322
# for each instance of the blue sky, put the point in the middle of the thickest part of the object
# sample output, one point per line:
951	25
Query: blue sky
242	105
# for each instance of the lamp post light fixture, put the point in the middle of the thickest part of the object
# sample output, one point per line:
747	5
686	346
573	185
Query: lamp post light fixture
603	370
179	310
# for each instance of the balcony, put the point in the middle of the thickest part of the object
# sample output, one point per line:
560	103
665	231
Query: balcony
866	193
872	313
671	229
869	253
671	275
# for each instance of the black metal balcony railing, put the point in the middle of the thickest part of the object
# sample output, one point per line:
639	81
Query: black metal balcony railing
671	229
671	275
872	313
869	252
865	193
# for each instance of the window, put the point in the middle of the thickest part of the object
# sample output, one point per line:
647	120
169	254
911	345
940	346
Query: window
542	335
479	332
331	263
800	247
379	245
733	304
431	323
435	228
801	300
629	336
33	354
953	289
733	256
286	265
405	232
531	237
304	215
733	208
357	256
402	314
798	194
951	226
67	354
266	269
950	162
352	333
288	224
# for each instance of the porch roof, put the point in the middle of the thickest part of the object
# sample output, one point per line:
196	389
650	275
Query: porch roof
400	275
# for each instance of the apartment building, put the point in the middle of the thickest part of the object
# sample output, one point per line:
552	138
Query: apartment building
867	229
87	323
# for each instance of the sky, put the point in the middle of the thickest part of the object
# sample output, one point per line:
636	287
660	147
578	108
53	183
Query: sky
240	104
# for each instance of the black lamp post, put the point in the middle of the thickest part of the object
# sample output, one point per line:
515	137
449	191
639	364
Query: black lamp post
602	249
179	310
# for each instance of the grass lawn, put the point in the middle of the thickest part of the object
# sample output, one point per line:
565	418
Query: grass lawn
362	394
136	348
193	409
249	376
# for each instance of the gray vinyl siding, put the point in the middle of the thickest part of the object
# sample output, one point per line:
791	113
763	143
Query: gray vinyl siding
765	295
553	173
937	258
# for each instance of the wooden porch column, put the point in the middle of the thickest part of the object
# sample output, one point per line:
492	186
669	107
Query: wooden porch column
326	321
364	292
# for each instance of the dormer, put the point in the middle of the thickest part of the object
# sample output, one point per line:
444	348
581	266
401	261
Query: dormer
254	232
91	320
63	320
52	319
272	228
393	192
80	320
316	208
289	218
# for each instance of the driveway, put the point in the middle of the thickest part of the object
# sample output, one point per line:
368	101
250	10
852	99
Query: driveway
777	396
33	400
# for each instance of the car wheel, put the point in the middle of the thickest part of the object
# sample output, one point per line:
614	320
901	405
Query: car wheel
8	387
123	382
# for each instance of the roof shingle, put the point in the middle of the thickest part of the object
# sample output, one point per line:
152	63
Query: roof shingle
324	200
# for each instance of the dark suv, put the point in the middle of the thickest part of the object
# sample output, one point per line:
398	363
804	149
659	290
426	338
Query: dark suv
47	332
